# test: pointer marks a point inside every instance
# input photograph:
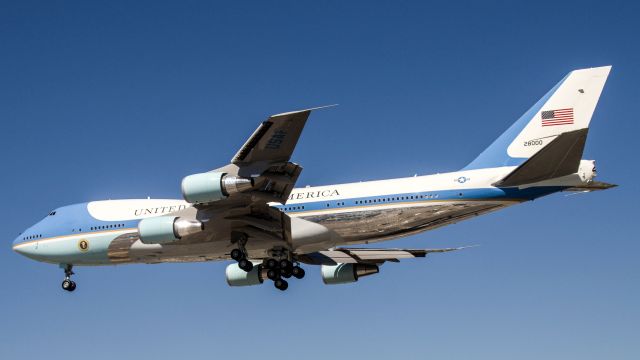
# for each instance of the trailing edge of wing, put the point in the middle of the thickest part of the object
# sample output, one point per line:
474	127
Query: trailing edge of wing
367	255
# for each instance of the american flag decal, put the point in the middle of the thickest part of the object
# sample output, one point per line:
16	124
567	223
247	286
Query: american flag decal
557	117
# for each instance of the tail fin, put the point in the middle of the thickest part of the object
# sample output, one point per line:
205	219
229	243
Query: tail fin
566	109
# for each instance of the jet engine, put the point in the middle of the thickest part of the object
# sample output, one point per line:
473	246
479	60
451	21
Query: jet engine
213	186
167	229
238	277
346	273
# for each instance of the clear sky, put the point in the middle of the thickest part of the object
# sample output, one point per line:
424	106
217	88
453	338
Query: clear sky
121	99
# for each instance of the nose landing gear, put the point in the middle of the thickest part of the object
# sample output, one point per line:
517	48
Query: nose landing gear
67	283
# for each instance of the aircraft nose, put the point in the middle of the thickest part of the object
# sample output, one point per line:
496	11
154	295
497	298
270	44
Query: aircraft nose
23	247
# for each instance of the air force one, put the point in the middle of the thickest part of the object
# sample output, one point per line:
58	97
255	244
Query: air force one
250	212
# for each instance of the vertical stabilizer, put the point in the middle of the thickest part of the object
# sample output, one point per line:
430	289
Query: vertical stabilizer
567	107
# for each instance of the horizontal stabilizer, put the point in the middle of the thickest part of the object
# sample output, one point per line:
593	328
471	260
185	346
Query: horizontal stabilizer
592	186
560	157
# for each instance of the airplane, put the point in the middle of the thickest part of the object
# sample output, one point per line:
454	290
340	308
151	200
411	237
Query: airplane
249	211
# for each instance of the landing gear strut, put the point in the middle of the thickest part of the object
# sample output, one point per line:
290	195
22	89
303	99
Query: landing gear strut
240	255
67	283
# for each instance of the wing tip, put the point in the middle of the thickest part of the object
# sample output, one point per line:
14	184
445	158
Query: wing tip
427	251
305	110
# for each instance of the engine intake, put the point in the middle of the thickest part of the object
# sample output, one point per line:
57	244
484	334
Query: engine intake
346	273
167	229
213	186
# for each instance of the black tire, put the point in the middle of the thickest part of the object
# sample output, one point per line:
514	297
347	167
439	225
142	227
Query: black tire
285	265
237	255
66	285
271	264
297	272
281	284
285	274
273	274
73	286
245	265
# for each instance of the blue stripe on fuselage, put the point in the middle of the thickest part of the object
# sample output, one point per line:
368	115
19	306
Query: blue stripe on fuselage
442	195
75	219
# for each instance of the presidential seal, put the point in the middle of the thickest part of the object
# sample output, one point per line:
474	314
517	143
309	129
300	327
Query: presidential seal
83	245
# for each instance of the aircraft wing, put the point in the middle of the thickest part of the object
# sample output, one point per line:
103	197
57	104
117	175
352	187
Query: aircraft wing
273	141
367	255
247	215
265	156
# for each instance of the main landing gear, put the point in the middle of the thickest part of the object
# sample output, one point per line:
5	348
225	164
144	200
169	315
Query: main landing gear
67	283
277	270
240	253
241	257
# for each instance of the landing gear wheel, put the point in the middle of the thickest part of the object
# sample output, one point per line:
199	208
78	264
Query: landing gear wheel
297	272
281	284
273	274
245	265
285	265
271	263
68	285
237	255
285	274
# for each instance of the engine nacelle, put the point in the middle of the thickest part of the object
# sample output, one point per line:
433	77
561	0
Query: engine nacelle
167	229
213	186
346	273
238	277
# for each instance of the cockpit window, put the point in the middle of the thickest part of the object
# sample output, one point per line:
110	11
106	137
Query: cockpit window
52	213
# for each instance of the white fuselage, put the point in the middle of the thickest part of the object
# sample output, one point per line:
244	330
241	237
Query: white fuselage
105	232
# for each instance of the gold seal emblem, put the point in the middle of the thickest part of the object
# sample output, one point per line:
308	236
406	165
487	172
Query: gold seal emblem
83	245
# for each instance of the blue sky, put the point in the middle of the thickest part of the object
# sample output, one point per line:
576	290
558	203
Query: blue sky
122	99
